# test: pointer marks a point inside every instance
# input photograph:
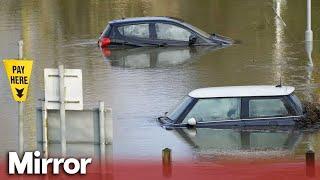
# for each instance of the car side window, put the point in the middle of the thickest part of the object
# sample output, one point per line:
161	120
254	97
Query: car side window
298	103
135	30
171	32
215	109
273	107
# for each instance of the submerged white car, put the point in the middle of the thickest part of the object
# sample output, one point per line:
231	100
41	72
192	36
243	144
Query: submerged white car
236	106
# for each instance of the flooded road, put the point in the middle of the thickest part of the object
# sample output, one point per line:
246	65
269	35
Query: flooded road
139	85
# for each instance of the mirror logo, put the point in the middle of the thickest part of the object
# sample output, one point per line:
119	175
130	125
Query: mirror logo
32	164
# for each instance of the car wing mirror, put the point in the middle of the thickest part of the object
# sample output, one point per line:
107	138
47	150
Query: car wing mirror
192	39
192	122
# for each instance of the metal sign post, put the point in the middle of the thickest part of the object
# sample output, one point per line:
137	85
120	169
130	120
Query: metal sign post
19	74
309	33
62	112
102	137
20	107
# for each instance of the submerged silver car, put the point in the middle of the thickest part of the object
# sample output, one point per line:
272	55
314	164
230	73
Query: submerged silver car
238	106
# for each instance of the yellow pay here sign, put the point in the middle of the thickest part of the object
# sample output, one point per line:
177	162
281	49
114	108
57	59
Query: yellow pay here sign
19	73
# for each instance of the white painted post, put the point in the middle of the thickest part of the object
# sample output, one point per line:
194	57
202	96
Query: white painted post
20	108
309	33
45	129
62	112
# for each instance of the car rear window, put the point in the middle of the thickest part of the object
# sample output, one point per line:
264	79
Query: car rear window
272	107
105	32
135	30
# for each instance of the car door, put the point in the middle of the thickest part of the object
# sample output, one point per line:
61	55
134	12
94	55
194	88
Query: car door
170	34
216	113
137	34
267	111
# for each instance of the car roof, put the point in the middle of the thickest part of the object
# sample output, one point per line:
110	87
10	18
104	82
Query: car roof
148	18
241	91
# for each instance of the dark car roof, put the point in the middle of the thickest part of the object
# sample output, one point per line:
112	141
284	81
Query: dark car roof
150	18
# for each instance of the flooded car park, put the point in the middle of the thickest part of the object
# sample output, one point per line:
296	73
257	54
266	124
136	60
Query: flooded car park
269	52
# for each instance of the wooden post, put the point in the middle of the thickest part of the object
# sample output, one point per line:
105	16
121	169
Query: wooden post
166	162
310	164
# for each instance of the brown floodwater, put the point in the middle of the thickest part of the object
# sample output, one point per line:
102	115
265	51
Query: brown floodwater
141	84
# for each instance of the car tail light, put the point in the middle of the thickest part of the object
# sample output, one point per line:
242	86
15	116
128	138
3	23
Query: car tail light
104	42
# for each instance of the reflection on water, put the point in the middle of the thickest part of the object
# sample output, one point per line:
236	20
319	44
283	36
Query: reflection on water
155	57
59	31
309	48
231	143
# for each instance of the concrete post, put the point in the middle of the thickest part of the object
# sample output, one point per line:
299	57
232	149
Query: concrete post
308	33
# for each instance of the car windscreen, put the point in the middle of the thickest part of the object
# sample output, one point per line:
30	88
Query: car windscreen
215	109
174	115
201	32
